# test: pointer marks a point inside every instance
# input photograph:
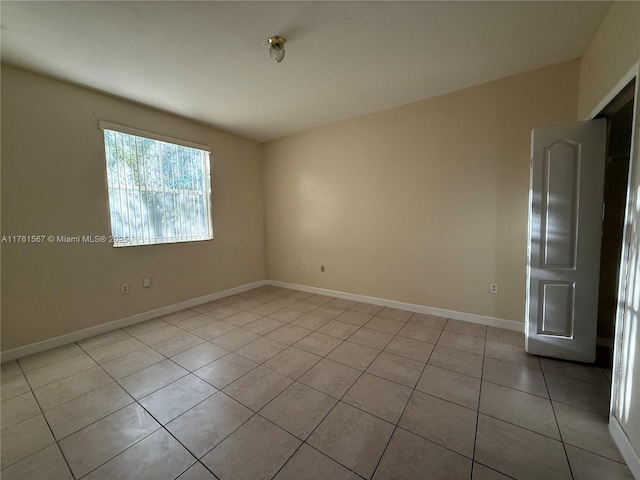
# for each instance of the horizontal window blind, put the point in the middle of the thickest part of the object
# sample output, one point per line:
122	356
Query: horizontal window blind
159	192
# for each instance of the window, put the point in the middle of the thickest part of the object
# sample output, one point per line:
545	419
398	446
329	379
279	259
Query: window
159	188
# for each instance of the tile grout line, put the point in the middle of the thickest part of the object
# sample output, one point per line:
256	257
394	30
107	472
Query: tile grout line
362	372
114	380
192	372
88	352
303	442
162	426
61	378
320	452
294	380
135	401
220	390
55	441
555	416
199	460
396	426
338	402
598	454
475	438
342	341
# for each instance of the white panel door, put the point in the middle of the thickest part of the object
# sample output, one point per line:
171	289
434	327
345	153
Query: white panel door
565	232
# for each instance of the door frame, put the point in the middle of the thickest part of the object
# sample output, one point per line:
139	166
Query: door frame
620	353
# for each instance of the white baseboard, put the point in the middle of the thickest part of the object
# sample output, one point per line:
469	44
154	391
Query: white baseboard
141	317
122	322
621	440
440	312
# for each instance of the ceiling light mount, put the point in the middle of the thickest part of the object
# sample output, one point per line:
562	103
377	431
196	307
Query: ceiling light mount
276	48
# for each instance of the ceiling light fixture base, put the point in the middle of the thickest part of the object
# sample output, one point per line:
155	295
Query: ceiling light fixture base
276	48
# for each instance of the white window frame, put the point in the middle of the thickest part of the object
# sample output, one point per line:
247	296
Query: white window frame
124	242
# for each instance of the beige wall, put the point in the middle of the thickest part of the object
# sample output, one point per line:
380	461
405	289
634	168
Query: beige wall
426	203
612	52
53	182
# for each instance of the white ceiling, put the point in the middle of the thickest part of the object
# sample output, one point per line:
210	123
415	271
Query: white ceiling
207	60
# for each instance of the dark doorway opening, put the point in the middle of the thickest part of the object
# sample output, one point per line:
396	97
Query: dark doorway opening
619	115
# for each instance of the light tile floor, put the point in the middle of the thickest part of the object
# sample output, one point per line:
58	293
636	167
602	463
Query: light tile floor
275	383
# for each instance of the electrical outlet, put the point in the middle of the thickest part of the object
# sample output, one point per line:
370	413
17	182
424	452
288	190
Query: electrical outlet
304	265
146	282
124	288
493	288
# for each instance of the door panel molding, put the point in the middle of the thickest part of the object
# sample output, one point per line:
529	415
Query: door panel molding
556	308
565	232
561	188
